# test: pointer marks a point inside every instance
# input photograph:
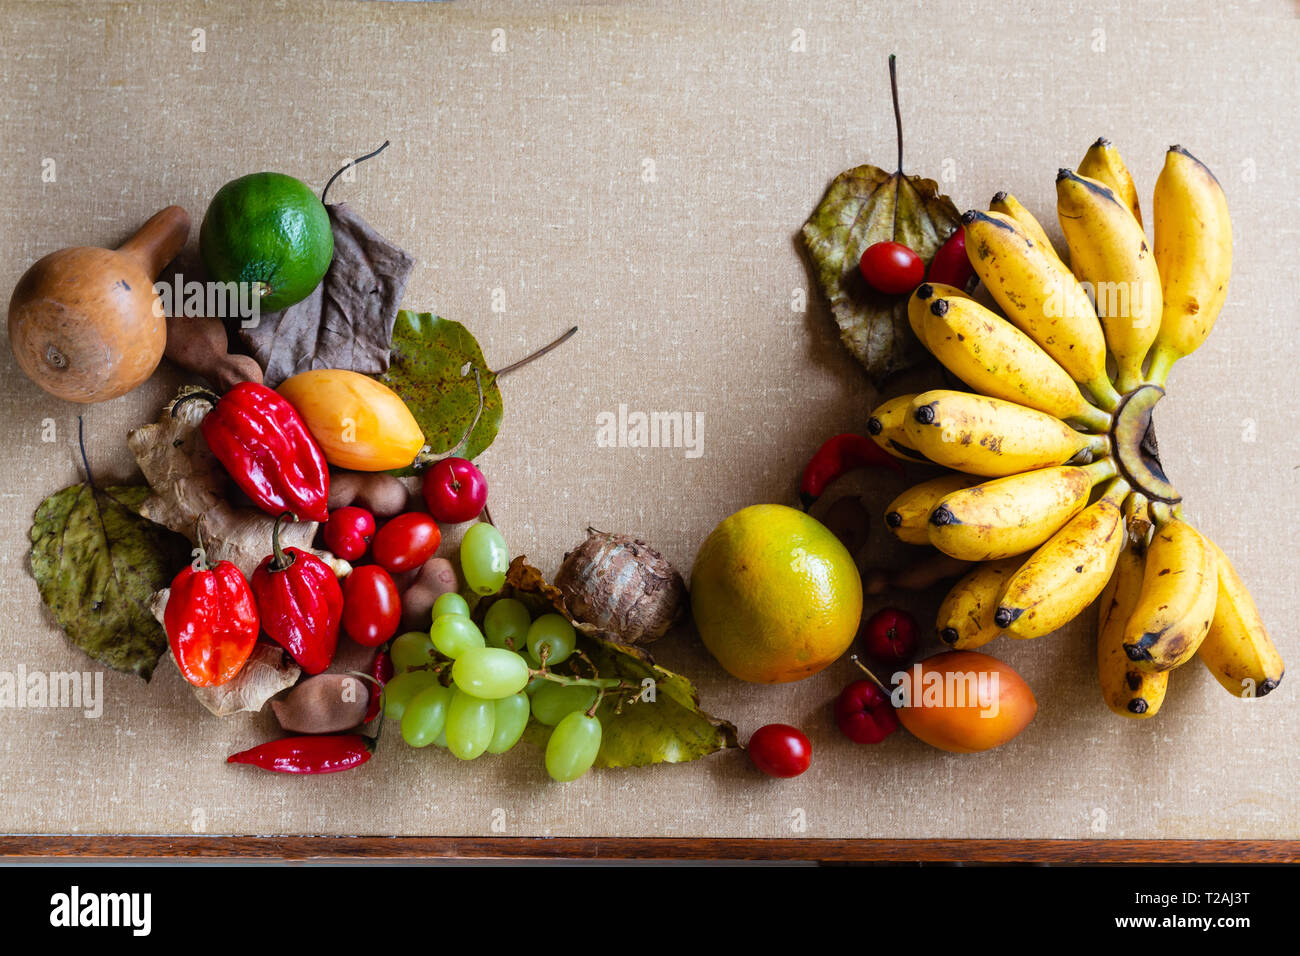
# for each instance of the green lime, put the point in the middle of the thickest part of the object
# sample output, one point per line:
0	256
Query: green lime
271	229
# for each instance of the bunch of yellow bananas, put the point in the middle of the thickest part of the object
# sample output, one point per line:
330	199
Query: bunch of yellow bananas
1056	490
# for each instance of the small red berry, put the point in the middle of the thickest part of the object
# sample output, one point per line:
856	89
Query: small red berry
780	750
892	268
348	532
891	635
864	714
455	490
950	264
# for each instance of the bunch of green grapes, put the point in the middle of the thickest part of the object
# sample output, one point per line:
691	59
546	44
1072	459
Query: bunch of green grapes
498	676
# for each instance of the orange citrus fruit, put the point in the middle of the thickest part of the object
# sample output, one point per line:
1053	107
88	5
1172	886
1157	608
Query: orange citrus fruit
775	595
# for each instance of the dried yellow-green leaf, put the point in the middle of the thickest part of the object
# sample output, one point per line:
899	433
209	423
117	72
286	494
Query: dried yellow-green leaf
863	206
97	564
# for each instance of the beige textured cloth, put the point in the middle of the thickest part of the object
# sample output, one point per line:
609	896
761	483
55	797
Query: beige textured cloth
642	171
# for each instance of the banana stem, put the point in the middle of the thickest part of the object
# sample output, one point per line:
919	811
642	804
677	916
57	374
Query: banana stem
1162	513
1162	361
1101	470
1103	392
1129	379
1116	491
1093	419
1137	517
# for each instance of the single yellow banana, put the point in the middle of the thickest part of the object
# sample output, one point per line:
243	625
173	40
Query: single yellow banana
1180	587
918	305
1040	298
1110	255
1009	205
1102	162
1009	516
885	426
989	437
965	617
1193	249
995	358
1067	573
908	515
1238	650
1127	691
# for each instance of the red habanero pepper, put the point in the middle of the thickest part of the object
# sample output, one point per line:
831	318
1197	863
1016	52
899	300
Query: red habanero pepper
211	621
322	753
381	672
838	455
300	602
264	445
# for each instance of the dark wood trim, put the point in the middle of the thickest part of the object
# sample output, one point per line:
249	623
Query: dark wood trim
373	848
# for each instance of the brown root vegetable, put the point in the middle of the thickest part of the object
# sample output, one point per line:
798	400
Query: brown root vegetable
324	704
849	521
199	345
436	578
381	494
621	585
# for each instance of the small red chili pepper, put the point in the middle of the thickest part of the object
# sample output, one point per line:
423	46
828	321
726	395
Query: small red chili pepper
837	456
263	443
323	753
300	602
211	621
950	264
381	672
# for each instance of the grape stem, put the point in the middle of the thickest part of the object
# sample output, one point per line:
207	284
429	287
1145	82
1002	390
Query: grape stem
604	684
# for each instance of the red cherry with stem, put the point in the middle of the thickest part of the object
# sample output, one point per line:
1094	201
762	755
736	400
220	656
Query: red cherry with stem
890	635
780	750
864	714
455	490
950	264
892	268
348	532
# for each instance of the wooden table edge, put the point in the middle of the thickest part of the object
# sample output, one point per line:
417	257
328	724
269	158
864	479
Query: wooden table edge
413	849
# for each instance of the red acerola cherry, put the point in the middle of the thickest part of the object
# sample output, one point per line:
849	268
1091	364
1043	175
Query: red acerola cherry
348	532
892	268
780	750
890	635
950	264
455	490
864	714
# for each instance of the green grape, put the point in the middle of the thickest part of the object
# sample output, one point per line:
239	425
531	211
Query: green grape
471	722
555	632
425	715
506	624
441	739
454	634
511	719
399	691
573	746
450	603
410	650
554	701
490	672
483	558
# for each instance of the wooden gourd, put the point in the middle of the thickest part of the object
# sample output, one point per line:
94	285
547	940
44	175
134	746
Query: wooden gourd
85	323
